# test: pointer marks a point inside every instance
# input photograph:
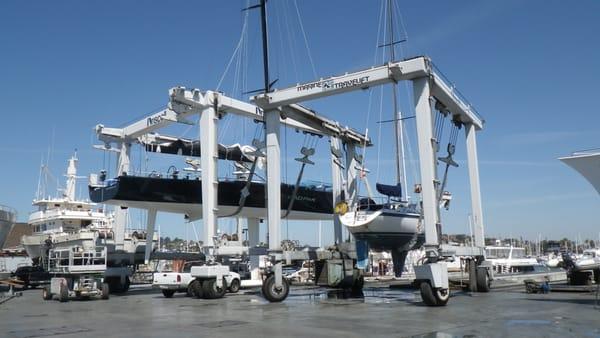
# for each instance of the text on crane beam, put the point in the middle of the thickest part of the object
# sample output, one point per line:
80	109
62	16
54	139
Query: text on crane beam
331	84
155	119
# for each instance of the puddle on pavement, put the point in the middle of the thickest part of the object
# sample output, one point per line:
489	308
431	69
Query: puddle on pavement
528	322
339	296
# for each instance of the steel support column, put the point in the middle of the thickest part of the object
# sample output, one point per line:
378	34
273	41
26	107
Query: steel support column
427	160
473	164
272	121
208	161
253	232
336	182
121	214
351	187
149	234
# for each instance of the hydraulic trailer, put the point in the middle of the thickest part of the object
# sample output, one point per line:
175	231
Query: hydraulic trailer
76	273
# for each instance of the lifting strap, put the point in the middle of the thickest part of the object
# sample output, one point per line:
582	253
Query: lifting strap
245	192
448	159
304	160
337	153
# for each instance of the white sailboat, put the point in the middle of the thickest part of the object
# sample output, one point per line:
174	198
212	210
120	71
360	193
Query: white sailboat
394	225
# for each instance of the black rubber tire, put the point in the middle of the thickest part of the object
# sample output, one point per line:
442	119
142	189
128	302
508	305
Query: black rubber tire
105	291
116	286
579	278
198	289
191	287
483	280
271	293
46	294
125	287
235	286
168	293
427	294
434	297
359	283
212	291
63	295
442	296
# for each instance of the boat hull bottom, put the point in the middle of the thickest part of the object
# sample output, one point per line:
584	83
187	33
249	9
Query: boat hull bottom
380	241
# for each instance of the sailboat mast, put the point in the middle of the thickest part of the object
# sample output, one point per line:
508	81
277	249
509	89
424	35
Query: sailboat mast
265	43
398	137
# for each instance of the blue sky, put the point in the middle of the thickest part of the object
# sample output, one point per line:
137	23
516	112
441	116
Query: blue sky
530	68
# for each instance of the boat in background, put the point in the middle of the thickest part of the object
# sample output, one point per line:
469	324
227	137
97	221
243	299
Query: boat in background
589	260
511	260
65	221
586	162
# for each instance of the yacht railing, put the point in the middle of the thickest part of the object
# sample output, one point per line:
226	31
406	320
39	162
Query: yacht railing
75	259
590	151
311	184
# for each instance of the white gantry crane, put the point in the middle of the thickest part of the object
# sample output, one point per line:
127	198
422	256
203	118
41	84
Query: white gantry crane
210	105
429	88
281	107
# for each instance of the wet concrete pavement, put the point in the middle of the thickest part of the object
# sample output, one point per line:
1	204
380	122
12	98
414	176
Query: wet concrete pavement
308	312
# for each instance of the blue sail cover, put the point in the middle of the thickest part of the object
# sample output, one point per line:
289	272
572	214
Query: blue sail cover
389	190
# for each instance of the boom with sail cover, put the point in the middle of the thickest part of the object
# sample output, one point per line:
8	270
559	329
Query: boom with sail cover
186	147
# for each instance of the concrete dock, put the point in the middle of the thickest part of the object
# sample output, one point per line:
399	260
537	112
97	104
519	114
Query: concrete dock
314	312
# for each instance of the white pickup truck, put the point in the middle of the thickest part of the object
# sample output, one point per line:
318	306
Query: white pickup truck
171	282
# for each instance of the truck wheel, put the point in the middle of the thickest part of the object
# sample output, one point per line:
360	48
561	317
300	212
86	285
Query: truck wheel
105	291
191	287
434	297
168	293
211	290
235	286
198	289
46	294
125	287
116	286
63	296
483	280
273	293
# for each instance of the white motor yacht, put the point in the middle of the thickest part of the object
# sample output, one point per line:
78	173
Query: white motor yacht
66	221
510	259
589	260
